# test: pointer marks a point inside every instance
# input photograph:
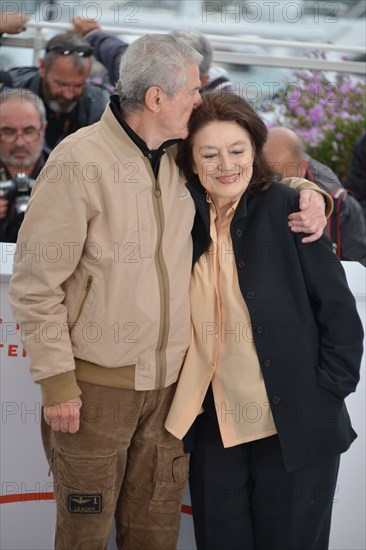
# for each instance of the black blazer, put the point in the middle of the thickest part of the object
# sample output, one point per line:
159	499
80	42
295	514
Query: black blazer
306	328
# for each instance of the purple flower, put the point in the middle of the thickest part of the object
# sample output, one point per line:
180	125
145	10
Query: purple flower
328	113
345	88
311	136
317	113
299	111
344	115
356	118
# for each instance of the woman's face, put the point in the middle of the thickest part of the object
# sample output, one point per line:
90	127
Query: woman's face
223	159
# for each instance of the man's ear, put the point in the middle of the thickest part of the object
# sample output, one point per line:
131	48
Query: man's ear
205	78
153	99
41	68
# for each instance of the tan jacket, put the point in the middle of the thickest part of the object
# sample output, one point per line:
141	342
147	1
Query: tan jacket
102	267
97	274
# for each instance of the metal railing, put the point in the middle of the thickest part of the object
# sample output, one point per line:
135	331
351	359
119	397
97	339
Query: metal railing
223	48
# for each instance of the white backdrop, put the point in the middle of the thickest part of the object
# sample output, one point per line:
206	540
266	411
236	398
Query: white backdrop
27	511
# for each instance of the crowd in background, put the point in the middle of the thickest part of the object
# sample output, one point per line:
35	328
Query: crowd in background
71	101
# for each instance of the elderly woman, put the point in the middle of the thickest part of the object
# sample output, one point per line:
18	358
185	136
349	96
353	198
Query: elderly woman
276	347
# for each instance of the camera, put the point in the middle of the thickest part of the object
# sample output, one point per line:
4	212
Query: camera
17	191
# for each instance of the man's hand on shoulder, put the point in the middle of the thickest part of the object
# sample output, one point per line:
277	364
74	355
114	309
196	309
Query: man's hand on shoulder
64	417
311	218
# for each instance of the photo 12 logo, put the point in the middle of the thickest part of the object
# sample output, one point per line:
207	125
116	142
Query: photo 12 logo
121	13
269	11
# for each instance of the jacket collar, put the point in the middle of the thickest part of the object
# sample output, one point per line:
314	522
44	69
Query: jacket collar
154	155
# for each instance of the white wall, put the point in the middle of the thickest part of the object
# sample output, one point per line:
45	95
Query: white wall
29	524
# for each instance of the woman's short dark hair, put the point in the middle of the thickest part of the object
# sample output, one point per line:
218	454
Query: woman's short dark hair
226	106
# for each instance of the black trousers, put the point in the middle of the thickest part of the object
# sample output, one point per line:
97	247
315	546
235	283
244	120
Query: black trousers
244	499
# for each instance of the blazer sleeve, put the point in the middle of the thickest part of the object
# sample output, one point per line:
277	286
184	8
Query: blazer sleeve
339	325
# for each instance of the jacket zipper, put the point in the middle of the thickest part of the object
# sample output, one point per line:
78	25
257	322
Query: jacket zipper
157	190
160	353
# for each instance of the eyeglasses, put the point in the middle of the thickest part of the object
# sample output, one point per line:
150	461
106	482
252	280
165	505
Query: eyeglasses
10	135
63	49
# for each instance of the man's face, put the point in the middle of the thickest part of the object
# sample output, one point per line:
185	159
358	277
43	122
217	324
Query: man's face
22	118
63	83
175	112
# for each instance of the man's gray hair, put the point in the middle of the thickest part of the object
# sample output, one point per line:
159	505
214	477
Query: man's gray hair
154	60
22	94
199	42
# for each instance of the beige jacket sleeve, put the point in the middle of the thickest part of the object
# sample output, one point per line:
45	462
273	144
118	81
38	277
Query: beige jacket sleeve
49	246
300	184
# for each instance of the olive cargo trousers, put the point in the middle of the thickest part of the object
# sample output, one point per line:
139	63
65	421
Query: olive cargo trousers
123	466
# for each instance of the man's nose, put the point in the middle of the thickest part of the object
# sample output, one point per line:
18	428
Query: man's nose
68	92
20	137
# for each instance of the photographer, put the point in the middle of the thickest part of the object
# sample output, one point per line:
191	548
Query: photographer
22	155
61	81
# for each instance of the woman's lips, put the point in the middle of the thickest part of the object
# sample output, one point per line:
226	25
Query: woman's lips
232	178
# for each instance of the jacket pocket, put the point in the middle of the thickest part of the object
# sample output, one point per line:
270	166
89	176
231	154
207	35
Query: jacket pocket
326	383
81	301
77	289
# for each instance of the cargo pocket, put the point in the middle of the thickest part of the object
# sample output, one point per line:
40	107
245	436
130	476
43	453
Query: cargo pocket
84	483
171	478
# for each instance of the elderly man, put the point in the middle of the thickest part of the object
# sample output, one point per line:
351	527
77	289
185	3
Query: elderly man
61	81
107	326
346	228
22	130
